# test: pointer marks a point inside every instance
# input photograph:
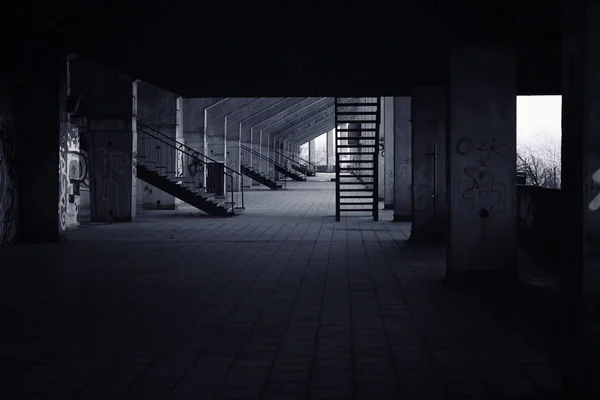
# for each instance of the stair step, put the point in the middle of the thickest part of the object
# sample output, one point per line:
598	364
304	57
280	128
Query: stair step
358	203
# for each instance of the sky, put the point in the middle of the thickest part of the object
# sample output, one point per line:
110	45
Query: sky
538	120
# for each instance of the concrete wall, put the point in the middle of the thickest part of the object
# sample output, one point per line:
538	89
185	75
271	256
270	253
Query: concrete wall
8	174
539	225
157	108
69	178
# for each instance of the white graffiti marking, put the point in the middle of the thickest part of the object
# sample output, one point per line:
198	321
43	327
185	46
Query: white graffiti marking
595	204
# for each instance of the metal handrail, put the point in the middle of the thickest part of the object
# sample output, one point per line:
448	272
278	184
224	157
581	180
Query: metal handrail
292	160
308	162
268	160
256	153
192	154
196	155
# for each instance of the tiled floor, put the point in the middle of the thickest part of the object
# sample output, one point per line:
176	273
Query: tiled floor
278	303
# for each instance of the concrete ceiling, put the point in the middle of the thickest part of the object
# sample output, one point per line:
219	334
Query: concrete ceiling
277	49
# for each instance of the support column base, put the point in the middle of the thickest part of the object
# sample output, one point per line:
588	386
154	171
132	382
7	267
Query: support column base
388	207
494	277
402	218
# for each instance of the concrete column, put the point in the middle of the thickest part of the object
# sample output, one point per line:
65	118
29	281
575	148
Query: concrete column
402	159
109	103
233	131
214	134
311	151
428	163
33	129
580	184
381	166
481	161
157	108
262	118
193	124
388	125
330	150
179	167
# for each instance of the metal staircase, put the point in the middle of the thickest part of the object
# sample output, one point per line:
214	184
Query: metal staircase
179	170
248	154
357	122
308	168
294	169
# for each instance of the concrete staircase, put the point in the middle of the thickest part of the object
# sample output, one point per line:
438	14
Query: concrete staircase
180	171
258	177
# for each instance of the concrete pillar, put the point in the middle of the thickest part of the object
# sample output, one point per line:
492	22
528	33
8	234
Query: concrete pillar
381	166
429	163
233	131
312	151
330	150
580	186
214	134
262	118
192	114
481	161
388	125
402	159
157	108
109	104
34	125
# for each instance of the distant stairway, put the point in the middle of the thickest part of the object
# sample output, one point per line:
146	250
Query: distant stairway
248	154
294	170
305	167
258	177
180	171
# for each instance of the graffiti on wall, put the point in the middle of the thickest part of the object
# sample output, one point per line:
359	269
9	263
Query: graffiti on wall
595	203
8	181
73	177
480	190
62	182
69	176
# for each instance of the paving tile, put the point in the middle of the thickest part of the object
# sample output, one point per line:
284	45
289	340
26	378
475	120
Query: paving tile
281	302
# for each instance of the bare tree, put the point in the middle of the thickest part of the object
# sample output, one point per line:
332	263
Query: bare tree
542	165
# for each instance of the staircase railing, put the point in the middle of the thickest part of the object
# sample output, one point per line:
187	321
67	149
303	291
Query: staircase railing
311	167
291	160
247	153
184	164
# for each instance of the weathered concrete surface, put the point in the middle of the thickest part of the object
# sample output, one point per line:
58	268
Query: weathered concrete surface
312	134
214	131
193	120
283	275
311	151
33	140
381	157
306	128
389	130
110	109
277	110
298	120
428	163
287	114
233	132
482	162
330	149
157	108
540	226
402	159
580	183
